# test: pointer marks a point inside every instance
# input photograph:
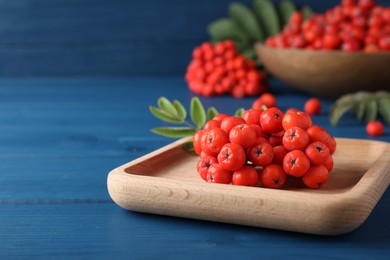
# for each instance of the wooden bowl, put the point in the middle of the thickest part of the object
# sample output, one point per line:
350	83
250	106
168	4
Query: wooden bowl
327	73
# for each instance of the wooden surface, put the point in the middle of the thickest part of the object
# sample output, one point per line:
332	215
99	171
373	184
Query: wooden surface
101	37
61	136
166	182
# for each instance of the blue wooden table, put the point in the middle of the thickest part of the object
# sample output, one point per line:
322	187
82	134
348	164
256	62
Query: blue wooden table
59	138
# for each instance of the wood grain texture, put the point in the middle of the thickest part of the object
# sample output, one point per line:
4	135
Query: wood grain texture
166	182
99	37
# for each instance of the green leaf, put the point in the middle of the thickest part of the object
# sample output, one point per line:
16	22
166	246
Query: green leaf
239	112
165	105
267	16
189	146
174	132
286	9
181	111
384	109
371	110
246	20
307	12
225	28
198	115
338	111
211	113
249	53
359	109
160	114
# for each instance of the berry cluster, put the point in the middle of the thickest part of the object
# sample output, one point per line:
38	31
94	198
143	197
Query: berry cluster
220	69
264	146
349	26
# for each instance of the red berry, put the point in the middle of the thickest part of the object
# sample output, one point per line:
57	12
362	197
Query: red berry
245	176
375	128
217	174
266	99
295	138
220	117
261	154
231	121
204	164
271	120
296	163
232	156
211	124
316	177
197	141
279	152
351	45
213	141
252	116
313	106
273	176
329	163
298	119
317	153
243	135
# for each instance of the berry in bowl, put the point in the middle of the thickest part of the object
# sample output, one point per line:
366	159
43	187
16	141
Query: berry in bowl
346	49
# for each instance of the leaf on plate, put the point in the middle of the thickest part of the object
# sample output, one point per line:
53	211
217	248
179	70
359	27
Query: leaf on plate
188	146
162	115
174	132
239	112
198	114
211	113
165	105
181	111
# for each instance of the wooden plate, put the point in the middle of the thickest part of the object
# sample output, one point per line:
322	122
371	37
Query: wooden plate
166	182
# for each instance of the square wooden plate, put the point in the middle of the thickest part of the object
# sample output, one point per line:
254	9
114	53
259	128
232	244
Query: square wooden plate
166	182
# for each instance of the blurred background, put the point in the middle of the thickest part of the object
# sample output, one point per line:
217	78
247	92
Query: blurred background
100	37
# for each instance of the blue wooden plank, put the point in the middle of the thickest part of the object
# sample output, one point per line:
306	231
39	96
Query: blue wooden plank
101	230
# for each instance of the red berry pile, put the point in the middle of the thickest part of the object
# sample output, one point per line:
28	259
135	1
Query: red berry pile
350	26
264	147
220	69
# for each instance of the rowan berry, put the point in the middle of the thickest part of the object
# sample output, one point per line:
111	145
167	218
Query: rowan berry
232	156
375	128
231	121
296	163
213	141
261	154
295	138
245	176
197	141
252	116
296	119
218	174
317	153
273	176
204	164
313	106
279	153
316	177
211	124
243	135
271	120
